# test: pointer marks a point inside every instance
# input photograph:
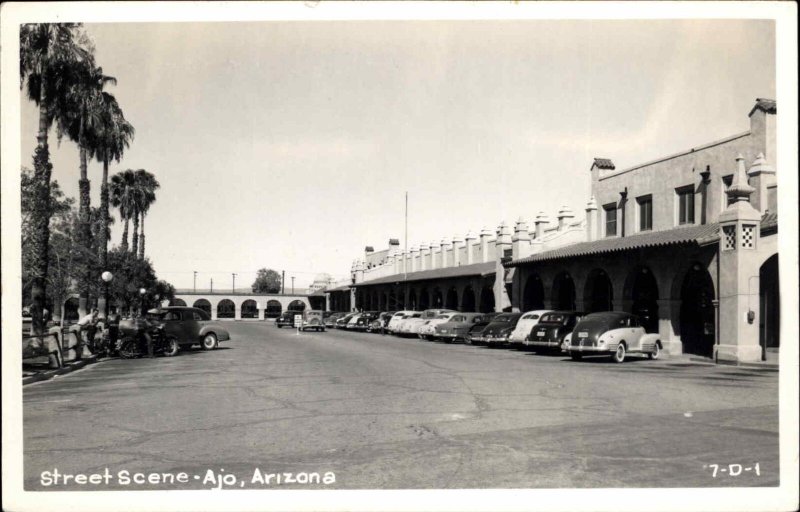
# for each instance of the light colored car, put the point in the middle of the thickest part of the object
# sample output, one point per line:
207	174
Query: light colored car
457	327
313	319
396	318
412	325
403	326
426	330
613	333
526	322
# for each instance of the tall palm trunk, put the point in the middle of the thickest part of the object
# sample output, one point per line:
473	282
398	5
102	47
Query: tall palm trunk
135	238
40	218
85	230
124	245
141	240
104	217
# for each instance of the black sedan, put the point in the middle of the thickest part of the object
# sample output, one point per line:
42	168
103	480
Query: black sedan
552	328
501	327
475	333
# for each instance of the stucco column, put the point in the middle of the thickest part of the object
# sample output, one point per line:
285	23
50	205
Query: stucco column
669	321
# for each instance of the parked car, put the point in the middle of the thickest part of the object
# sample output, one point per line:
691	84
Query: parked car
613	333
426	330
287	319
190	326
381	321
341	323
365	320
552	328
501	327
404	325
330	321
396	318
412	325
457	327
351	324
313	319
525	324
475	333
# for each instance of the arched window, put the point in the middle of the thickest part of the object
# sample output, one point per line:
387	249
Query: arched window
249	309
226	309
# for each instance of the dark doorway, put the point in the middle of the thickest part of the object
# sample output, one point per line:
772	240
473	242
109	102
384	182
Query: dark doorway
424	300
770	305
563	292
644	297
598	294
697	312
452	299
437	298
468	300
487	300
533	294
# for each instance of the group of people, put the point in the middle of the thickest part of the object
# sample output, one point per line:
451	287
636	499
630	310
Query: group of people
88	325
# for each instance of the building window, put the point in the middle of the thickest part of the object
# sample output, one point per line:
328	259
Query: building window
611	219
645	212
685	205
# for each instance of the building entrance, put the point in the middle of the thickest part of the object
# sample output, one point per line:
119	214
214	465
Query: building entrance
697	312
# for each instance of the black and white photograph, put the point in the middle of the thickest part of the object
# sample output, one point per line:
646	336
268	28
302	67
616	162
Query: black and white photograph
400	256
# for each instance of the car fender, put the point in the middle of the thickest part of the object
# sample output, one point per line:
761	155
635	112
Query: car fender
612	337
221	333
649	341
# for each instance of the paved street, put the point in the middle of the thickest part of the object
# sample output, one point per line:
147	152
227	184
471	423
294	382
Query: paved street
385	412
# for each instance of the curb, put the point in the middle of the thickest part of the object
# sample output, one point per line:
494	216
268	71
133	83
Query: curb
68	368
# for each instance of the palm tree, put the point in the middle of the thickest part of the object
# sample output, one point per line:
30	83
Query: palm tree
46	50
84	115
144	195
115	136
123	185
149	185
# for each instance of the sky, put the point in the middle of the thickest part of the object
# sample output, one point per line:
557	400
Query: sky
290	145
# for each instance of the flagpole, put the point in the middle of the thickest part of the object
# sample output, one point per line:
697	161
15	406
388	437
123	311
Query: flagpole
405	262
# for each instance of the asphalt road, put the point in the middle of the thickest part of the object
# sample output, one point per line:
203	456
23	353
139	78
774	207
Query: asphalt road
390	413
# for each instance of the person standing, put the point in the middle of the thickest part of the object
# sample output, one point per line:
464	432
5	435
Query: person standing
88	326
113	330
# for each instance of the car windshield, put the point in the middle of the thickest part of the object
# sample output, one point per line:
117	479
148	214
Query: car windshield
530	316
554	318
502	319
443	317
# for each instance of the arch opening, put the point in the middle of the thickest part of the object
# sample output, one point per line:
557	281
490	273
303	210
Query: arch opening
533	294
697	312
203	304
274	309
563	292
226	309
598	294
249	309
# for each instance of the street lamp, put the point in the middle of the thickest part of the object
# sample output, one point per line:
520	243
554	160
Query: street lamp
106	277
194	283
142	291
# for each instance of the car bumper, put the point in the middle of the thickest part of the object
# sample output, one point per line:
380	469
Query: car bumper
493	340
543	343
590	350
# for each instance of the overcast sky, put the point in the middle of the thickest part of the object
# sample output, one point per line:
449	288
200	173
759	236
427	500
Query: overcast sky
289	145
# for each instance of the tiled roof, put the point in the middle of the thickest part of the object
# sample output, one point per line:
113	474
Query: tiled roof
604	163
476	269
769	222
338	289
767	105
701	235
681	235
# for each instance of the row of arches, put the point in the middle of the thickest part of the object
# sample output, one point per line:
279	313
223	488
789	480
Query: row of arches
465	298
640	296
249	308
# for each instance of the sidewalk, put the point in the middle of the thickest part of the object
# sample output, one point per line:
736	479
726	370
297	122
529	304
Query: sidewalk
37	372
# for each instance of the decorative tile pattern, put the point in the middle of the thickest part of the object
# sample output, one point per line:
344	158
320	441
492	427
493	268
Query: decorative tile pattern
729	235
748	236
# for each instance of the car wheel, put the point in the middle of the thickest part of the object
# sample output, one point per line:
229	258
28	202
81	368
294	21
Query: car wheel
619	355
209	341
127	349
576	357
656	353
278	326
172	348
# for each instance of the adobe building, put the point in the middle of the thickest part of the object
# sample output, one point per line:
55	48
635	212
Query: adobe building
687	241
